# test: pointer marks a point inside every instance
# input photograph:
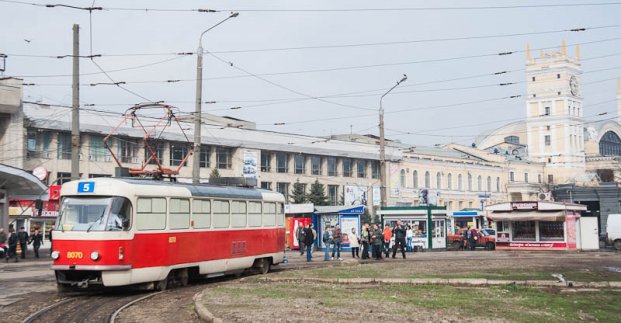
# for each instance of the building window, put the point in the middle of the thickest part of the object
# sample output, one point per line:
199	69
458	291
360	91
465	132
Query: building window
205	157
524	231
512	140
128	150
375	169
38	144
98	175
299	162
223	157
97	151
415	179
461	205
331	166
610	144
333	194
439	180
511	176
546	111
158	150
361	168
402	178
533	79
283	188
526	177
266	161
539	178
316	165
449	181
427	180
178	152
551	231
64	145
282	163
266	185
460	185
347	167
62	178
497	184
550	179
470	182
558	76
547	140
489	184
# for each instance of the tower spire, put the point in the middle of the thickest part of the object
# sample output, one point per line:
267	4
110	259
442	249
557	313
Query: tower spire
527	52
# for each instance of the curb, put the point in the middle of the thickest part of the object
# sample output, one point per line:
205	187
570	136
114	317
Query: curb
203	313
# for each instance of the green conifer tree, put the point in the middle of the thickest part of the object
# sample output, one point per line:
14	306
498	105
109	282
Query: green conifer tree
298	195
317	194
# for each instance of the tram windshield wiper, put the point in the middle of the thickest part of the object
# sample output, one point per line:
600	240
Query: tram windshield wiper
98	220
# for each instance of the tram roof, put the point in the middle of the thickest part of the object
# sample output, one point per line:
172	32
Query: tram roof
203	189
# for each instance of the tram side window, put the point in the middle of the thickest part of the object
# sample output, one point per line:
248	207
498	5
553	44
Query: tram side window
221	214
179	214
151	214
201	213
254	214
238	214
269	214
280	216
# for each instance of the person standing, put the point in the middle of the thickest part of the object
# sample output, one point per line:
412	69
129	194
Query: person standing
378	242
326	238
387	235
354	243
22	236
308	241
469	239
3	238
37	241
365	239
12	245
338	239
399	232
299	234
314	238
409	234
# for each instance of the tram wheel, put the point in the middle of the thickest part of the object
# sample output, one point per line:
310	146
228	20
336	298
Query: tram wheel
265	265
183	277
161	285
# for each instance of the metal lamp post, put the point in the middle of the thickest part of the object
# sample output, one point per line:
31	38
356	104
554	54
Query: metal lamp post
198	108
382	143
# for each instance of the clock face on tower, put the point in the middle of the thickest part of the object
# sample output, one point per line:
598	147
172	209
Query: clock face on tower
573	85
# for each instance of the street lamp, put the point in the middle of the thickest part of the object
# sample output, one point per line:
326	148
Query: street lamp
382	149
197	110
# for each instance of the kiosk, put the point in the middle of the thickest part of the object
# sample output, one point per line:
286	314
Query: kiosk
428	222
346	216
296	215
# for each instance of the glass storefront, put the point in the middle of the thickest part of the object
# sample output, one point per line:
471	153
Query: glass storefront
551	231
524	231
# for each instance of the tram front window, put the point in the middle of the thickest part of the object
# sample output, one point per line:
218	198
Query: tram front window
94	214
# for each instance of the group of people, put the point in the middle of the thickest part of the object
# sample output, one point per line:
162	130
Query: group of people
372	238
10	241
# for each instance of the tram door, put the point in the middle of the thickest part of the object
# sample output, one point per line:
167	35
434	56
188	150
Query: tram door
439	233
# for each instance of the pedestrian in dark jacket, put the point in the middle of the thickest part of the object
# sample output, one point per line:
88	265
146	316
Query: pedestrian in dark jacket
338	239
12	245
399	233
378	242
300	236
37	241
3	238
22	236
308	241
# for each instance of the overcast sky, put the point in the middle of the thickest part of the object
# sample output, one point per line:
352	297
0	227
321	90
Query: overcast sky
313	66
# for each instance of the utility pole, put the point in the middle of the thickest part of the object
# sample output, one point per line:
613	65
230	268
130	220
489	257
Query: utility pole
75	107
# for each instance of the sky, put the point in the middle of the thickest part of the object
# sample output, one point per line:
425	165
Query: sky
316	67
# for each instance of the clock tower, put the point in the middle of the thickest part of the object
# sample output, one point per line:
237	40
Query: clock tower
554	113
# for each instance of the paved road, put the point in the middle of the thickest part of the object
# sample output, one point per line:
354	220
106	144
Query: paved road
26	276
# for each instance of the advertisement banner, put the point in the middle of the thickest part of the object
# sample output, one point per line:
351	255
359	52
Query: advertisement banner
355	195
250	164
532	245
295	224
347	223
377	198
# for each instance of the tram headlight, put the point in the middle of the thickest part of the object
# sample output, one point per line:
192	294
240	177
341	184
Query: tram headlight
55	255
94	256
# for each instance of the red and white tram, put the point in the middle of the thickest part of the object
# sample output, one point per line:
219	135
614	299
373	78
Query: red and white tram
117	231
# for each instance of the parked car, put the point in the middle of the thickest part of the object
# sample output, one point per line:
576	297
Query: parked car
484	239
489	232
613	230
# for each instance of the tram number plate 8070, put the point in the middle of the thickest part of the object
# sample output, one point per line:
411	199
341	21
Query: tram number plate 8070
74	255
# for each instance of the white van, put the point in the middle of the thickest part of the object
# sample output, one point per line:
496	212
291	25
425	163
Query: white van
613	230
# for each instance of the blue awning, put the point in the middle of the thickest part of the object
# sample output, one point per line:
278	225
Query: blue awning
469	214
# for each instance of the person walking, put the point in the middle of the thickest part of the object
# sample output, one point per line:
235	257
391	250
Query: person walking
13	240
308	241
299	235
37	241
338	239
365	238
378	242
327	238
3	238
387	235
399	232
22	236
469	239
314	239
354	243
